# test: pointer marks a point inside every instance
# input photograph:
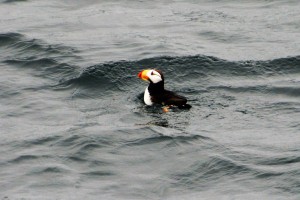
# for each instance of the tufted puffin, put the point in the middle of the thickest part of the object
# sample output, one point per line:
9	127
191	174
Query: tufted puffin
156	93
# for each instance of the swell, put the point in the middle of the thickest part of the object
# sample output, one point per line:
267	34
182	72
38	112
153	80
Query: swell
189	71
45	60
48	68
60	64
293	91
22	42
13	1
209	171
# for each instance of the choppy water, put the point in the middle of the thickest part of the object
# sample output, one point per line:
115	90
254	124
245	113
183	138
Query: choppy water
73	123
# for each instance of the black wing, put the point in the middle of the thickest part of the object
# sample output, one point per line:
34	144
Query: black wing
171	98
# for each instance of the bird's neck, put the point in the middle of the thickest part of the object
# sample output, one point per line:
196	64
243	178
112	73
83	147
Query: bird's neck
156	88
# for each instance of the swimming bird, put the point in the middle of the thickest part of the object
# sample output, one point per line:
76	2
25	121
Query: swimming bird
156	93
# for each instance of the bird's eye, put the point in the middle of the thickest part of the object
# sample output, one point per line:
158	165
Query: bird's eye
152	73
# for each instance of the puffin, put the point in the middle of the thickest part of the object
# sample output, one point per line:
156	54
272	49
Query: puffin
155	93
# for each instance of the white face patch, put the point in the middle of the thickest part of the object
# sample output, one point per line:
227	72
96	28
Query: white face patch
154	76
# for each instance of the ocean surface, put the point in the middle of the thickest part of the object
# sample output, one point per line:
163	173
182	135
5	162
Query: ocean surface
73	124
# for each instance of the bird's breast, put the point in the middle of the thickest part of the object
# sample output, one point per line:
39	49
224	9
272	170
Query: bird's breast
147	97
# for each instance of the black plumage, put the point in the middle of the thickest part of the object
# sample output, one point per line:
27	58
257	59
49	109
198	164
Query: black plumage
159	95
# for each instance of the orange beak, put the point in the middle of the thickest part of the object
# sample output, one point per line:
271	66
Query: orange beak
143	75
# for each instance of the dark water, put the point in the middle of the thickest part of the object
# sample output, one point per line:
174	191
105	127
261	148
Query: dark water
74	126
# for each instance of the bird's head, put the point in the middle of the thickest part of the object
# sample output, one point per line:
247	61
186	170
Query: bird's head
151	75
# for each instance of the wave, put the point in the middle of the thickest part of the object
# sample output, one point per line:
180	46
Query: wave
45	60
21	43
293	91
210	170
12	1
189	74
192	65
186	73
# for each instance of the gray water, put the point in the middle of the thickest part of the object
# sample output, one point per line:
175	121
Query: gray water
72	119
